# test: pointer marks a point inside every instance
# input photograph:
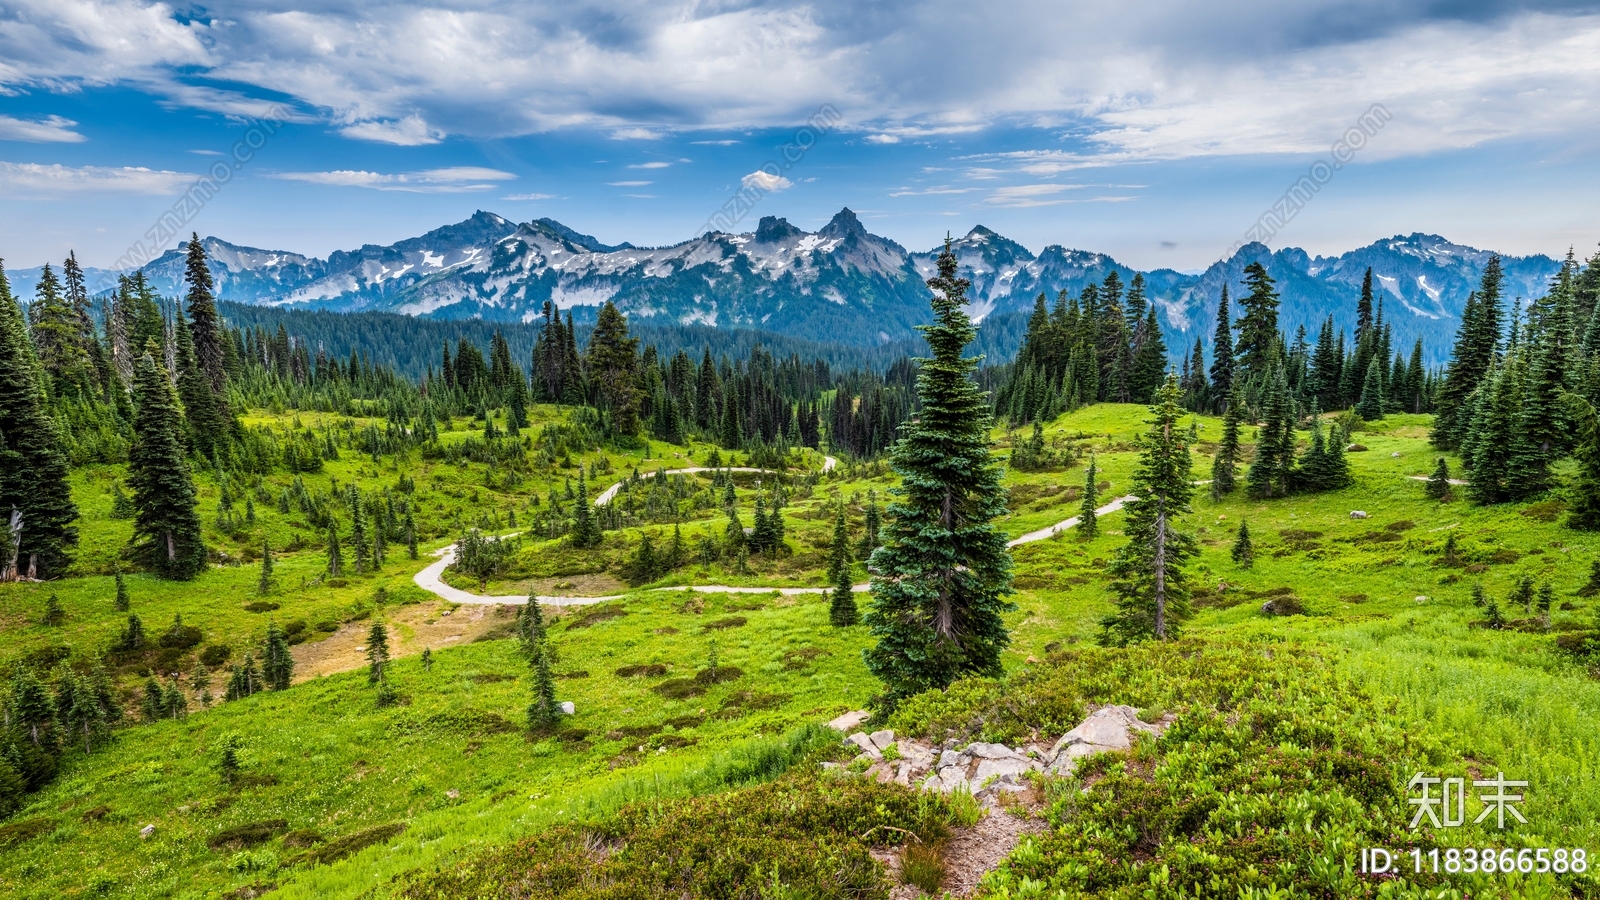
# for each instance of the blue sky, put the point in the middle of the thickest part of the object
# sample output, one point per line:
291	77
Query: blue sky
1157	132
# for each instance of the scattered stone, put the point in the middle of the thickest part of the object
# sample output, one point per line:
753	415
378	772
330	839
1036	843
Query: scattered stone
1422	598
453	794
147	831
861	740
1358	514
1356	448
989	770
569	708
1107	730
1395	455
848	722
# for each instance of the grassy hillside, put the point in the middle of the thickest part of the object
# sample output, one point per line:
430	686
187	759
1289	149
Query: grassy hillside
328	780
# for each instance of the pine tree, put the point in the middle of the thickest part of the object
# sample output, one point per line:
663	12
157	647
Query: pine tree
54	615
1222	353
427	659
1148	577
873	522
613	369
585	527
937	606
377	652
264	583
206	430
1472	359
1149	362
204	321
1370	407
59	341
530	627
1547	597
33	467
166	528
1244	552
121	602
1088	519
1225	465
1523	594
1257	350
543	713
1583	508
842	611
1270	471
411	536
277	663
228	764
1493	438
1438	486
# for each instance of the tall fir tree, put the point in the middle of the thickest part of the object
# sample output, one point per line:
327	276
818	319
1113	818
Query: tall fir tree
1222	353
277	663
842	611
1244	551
1471	360
1148	575
1149	363
613	368
206	431
166	527
937	606
59	341
1370	406
1257	349
543	713
264	582
377	652
1088	518
1225	465
1493	438
585	526
33	465
1583	508
204	323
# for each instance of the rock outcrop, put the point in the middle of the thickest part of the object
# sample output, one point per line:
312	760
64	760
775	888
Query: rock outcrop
989	770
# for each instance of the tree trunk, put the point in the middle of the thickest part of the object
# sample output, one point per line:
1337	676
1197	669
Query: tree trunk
1160	570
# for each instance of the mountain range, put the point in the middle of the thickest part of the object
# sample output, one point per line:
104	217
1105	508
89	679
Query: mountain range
840	284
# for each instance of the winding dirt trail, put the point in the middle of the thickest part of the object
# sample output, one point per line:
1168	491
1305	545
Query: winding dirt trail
828	464
432	578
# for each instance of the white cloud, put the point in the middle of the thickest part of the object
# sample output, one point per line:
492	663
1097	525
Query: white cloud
723	143
1168	83
908	192
628	183
50	129
528	197
35	180
765	181
1028	195
651	165
453	180
410	131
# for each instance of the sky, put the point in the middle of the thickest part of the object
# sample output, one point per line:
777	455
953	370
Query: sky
1158	132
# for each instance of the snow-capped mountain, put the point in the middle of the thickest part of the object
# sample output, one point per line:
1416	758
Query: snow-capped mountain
838	284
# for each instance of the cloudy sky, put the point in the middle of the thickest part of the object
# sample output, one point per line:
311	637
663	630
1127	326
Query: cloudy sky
1158	132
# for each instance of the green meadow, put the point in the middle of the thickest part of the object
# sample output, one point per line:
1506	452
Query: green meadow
681	693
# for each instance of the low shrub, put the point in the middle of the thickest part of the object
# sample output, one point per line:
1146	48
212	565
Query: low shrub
349	845
800	836
247	835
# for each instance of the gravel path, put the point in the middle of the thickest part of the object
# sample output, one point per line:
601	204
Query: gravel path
828	463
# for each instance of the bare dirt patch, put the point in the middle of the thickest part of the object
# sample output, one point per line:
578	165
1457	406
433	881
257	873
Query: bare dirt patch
410	630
